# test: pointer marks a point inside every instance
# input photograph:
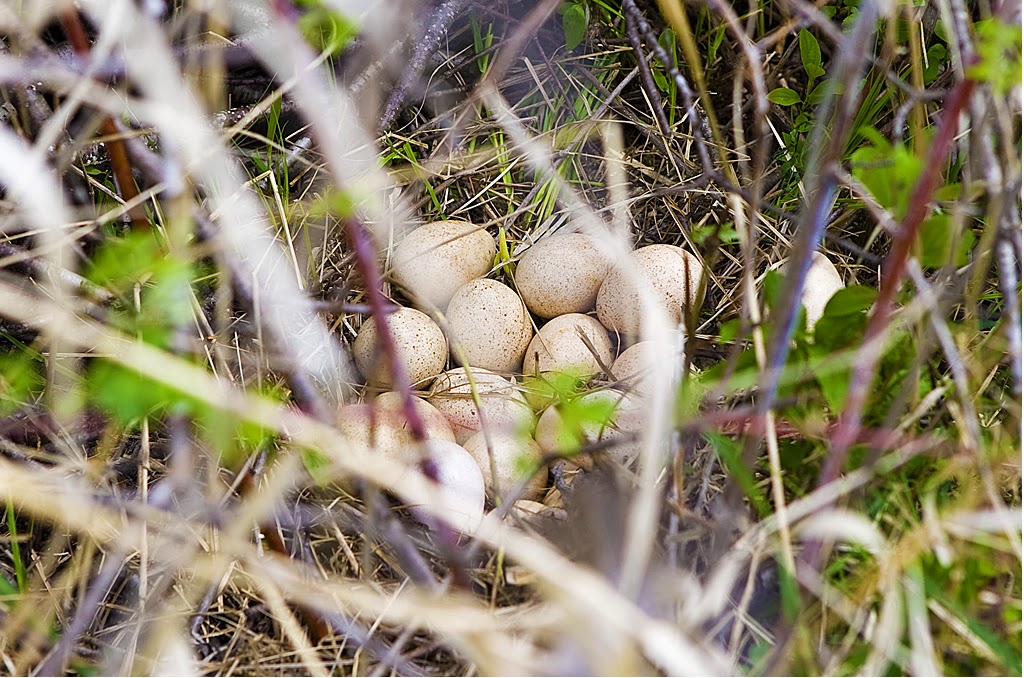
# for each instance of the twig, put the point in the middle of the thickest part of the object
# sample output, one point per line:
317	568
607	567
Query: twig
1009	268
362	243
441	20
119	163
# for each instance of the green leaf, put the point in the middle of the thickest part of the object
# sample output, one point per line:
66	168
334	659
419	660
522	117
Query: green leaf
325	28
889	171
574	24
21	379
817	95
130	396
999	55
937	54
935	240
833	380
852	300
773	283
783	96
810	54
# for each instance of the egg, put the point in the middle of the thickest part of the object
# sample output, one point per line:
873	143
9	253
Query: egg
635	366
458	496
489	324
671	273
627	416
421	346
502	406
559	347
512	453
436	259
561	274
382	425
823	281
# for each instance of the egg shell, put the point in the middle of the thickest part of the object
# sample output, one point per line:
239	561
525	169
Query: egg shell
419	342
671	273
823	281
628	416
510	451
636	364
561	274
503	406
559	348
436	259
459	492
489	323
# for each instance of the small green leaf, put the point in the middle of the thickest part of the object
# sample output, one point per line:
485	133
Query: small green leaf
773	283
834	381
810	54
817	95
574	23
783	96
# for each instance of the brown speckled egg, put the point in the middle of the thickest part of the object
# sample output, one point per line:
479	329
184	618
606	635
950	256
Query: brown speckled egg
382	425
670	272
635	365
512	454
436	259
503	407
561	274
419	342
558	347
627	417
490	325
823	280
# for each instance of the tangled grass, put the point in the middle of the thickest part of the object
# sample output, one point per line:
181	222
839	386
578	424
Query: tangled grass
200	202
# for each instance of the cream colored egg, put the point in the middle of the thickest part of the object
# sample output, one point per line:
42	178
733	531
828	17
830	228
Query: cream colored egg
436	259
435	423
561	274
671	273
823	281
637	364
458	495
382	424
511	454
419	342
489	323
627	416
503	408
559	347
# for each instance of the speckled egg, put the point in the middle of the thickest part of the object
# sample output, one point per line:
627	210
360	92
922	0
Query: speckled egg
671	273
636	364
561	274
559	347
628	416
419	342
503	408
512	453
823	280
382	424
436	259
489	323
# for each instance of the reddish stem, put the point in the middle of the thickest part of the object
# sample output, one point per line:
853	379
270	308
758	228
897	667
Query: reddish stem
892	275
119	163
